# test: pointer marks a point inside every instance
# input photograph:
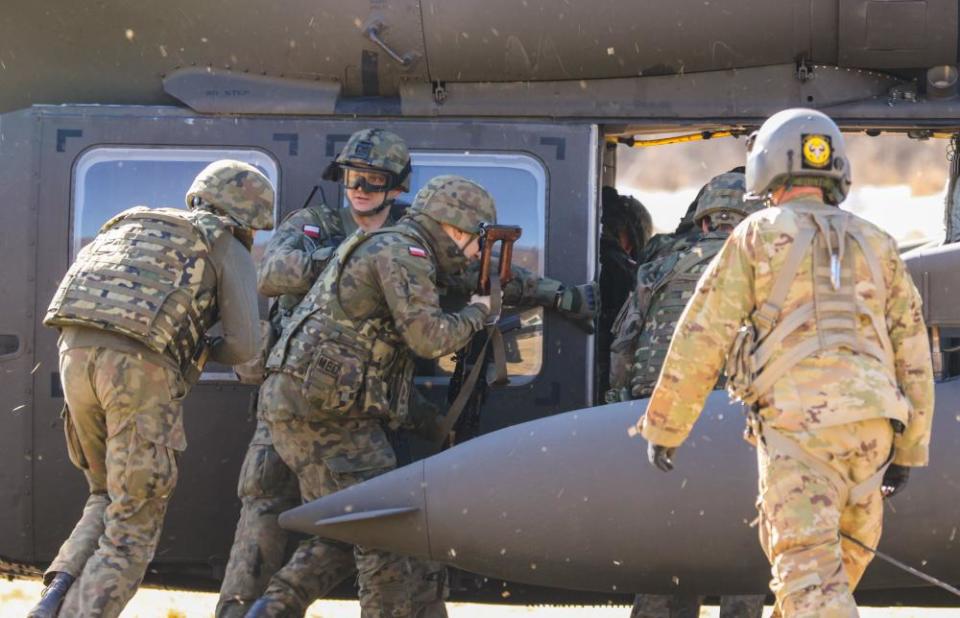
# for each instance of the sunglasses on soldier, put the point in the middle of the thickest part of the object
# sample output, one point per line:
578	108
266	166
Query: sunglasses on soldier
366	180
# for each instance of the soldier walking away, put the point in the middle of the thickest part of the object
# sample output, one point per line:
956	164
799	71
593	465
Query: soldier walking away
820	327
133	313
341	375
643	332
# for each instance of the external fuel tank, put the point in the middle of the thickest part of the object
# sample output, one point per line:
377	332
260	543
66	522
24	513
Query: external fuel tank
570	501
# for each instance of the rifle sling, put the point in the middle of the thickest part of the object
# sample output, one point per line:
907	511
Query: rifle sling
494	337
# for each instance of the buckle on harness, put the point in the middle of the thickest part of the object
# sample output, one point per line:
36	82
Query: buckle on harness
766	316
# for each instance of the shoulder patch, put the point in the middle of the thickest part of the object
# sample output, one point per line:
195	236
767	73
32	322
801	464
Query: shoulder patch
312	231
417	252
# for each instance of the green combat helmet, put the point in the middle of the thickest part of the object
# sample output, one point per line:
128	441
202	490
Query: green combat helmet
377	149
456	201
722	200
237	190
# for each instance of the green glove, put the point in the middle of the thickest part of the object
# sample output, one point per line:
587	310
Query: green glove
578	303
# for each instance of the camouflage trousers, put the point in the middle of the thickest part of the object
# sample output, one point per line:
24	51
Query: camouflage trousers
328	455
803	511
124	428
266	488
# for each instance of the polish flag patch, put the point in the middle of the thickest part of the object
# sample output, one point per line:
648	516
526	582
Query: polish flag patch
312	231
418	252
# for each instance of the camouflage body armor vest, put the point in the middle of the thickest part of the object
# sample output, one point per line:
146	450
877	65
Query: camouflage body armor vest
774	341
669	297
347	368
146	275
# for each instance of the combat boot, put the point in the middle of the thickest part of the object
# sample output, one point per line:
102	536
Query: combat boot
52	596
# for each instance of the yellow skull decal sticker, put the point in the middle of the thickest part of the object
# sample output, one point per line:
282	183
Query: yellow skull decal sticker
817	151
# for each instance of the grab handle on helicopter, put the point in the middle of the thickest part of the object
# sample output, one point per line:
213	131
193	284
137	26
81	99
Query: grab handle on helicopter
373	29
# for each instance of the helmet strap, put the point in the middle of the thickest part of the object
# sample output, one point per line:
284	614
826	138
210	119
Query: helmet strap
386	203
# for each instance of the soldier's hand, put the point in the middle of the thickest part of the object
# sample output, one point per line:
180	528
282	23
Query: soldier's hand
323	254
579	303
476	299
894	480
661	457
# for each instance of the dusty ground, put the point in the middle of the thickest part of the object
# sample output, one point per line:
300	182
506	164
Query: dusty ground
16	598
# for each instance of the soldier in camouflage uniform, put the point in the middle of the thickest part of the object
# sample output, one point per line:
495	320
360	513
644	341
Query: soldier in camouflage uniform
646	321
820	327
294	257
341	375
133	311
625	228
644	329
372	159
681	238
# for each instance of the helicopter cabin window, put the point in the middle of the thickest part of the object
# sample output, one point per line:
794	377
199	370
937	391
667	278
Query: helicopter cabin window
109	180
518	184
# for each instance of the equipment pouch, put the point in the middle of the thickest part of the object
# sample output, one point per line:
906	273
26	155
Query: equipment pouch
74	447
387	385
334	379
739	367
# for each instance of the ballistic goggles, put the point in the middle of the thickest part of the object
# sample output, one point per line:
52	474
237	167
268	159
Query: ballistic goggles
366	179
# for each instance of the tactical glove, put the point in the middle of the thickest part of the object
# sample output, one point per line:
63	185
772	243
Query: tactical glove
894	480
579	303
661	456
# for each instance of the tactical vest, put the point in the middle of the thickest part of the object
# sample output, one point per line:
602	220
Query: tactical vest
347	368
668	298
775	341
146	275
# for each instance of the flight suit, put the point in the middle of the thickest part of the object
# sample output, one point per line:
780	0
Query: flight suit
382	299
125	369
841	356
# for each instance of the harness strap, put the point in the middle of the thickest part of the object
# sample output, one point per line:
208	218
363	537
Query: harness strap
493	337
876	272
767	315
777	442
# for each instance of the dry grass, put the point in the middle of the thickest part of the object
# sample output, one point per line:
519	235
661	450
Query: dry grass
17	596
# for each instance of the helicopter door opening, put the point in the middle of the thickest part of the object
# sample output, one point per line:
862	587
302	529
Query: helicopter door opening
901	183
